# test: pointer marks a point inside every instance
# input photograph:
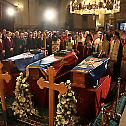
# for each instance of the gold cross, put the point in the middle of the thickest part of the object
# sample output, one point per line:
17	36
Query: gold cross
7	78
52	87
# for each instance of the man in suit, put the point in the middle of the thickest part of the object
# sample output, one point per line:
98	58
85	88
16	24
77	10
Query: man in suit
2	51
8	45
49	43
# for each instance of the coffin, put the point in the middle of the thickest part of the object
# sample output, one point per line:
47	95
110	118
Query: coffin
20	62
89	71
89	99
61	64
16	64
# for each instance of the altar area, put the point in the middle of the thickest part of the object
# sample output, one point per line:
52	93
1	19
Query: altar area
90	81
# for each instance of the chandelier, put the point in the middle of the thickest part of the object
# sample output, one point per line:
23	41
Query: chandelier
94	6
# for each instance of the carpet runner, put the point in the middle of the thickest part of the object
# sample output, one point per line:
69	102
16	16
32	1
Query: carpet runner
119	109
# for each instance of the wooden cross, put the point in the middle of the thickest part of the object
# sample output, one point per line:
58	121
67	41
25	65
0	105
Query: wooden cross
7	78
52	86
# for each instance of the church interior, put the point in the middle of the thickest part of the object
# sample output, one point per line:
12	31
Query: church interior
62	62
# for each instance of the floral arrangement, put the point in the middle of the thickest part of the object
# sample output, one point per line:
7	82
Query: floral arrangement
66	108
23	106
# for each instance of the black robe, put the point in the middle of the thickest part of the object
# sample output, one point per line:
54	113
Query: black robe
49	45
117	65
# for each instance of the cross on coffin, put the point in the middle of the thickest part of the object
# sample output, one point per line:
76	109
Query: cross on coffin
52	87
7	78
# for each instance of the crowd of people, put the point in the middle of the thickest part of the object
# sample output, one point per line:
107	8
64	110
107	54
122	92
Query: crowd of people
110	44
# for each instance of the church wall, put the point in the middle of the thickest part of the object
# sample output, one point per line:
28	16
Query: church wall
63	12
23	18
90	22
77	21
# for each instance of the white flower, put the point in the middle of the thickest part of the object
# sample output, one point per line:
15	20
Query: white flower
72	92
17	84
68	99
59	96
23	81
69	88
18	79
58	111
15	103
68	81
66	106
74	97
63	101
22	99
21	74
28	110
59	123
26	90
20	116
21	104
66	122
58	105
12	107
59	115
27	106
69	112
24	114
33	111
74	110
76	100
63	121
17	111
21	112
25	85
30	103
69	94
15	108
62	110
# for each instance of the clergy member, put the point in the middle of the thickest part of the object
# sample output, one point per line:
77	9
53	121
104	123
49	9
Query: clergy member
115	54
98	44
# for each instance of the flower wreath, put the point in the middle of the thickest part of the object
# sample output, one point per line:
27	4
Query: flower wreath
23	106
66	108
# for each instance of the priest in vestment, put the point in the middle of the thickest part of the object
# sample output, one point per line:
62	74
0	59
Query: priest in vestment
123	64
98	44
115	55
